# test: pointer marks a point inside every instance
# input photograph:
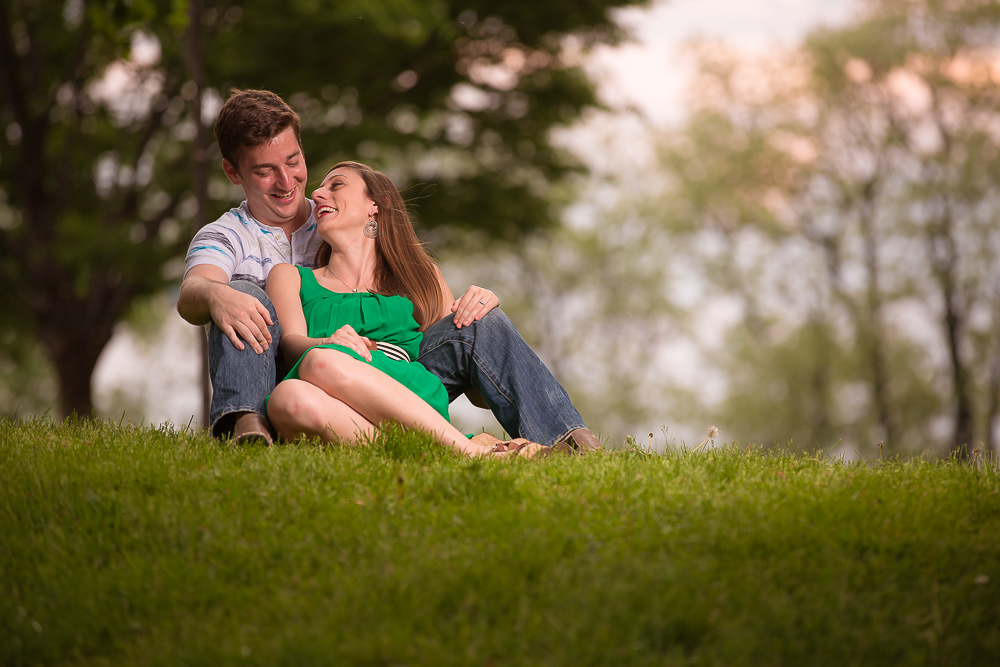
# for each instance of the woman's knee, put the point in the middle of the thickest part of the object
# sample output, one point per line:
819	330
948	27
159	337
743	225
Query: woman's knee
326	367
293	408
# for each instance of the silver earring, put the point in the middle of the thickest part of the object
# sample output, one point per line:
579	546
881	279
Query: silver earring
371	229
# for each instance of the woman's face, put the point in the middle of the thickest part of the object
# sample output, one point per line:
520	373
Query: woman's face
341	201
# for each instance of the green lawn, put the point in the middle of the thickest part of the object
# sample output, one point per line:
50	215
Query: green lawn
130	546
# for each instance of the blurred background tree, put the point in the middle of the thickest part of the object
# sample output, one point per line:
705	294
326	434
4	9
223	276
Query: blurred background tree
863	170
833	206
108	163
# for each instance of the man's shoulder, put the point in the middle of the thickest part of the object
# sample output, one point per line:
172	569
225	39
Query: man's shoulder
235	219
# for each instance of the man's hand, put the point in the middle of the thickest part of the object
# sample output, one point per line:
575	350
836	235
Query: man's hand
349	338
240	315
206	295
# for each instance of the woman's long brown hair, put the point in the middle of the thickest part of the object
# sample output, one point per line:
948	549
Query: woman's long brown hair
402	266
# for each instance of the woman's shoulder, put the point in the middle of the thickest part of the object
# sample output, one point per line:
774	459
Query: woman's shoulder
284	274
286	269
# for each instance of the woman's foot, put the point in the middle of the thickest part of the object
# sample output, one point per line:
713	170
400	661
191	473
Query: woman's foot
504	448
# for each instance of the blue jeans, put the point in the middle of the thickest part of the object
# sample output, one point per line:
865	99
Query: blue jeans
491	356
241	379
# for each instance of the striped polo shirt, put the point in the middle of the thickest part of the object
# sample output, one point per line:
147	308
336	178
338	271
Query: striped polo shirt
247	249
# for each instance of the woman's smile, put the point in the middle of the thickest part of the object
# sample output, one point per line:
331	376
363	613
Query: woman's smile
324	210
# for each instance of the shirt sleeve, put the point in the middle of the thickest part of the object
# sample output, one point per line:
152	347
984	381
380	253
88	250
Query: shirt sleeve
218	245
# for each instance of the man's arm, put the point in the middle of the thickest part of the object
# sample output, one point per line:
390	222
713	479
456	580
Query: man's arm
206	295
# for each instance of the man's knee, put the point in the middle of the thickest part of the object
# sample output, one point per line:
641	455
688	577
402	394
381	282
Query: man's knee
496	321
247	287
497	331
493	323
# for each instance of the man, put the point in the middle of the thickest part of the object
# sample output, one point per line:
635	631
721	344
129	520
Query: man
226	271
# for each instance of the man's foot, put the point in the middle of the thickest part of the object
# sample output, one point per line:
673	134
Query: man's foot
579	441
252	428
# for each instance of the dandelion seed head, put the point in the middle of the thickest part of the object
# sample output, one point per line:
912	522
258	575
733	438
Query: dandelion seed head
712	431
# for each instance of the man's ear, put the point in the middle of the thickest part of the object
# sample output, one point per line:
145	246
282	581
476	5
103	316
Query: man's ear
231	172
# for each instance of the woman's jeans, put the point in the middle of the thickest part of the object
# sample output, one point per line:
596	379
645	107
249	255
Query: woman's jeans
489	355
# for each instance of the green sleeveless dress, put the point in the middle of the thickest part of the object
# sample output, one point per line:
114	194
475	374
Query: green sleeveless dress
387	319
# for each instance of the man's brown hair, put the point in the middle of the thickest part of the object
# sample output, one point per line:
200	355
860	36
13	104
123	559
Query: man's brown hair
251	118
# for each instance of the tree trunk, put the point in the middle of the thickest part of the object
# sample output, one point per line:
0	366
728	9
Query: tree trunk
75	395
74	357
199	171
880	372
962	438
993	395
944	261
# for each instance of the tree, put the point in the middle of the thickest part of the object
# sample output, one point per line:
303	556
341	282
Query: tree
105	106
856	178
835	204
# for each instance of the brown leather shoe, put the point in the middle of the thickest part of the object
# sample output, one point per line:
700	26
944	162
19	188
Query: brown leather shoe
582	440
252	428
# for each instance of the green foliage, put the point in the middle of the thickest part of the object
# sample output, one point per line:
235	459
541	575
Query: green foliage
97	105
135	546
26	385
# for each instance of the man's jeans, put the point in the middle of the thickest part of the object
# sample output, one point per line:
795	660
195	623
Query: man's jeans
241	379
489	355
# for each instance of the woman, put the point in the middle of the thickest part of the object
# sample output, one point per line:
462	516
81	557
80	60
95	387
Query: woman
373	282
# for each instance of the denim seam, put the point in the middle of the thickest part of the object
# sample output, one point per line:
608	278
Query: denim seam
489	377
241	408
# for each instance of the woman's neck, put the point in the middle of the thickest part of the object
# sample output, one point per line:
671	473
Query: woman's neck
353	267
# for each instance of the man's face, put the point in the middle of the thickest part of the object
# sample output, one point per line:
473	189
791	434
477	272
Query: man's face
273	177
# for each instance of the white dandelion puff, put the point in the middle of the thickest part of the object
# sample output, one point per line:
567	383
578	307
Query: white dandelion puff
712	432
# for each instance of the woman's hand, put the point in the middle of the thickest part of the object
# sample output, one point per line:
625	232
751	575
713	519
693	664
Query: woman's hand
476	302
349	338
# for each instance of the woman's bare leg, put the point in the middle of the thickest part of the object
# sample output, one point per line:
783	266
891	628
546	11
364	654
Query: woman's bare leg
298	407
378	397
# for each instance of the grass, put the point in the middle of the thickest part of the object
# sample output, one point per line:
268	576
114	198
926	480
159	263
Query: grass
126	546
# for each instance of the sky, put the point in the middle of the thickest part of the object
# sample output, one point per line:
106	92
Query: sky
648	74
